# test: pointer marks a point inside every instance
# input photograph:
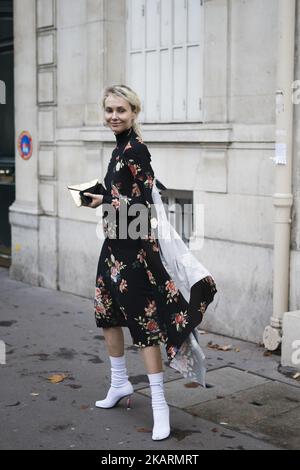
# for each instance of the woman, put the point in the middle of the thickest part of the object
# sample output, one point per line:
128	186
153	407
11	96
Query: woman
133	288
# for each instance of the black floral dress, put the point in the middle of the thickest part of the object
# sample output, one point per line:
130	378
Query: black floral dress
133	288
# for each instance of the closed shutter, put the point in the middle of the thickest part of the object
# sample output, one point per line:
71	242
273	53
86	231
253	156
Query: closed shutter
165	58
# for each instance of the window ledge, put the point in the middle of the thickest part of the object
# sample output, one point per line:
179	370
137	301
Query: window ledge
177	132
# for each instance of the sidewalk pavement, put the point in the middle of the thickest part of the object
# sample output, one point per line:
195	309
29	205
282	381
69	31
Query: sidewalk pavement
248	403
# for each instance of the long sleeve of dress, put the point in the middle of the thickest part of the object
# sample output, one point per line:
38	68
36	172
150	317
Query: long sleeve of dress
137	160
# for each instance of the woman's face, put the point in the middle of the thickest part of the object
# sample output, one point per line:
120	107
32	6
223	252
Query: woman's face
118	113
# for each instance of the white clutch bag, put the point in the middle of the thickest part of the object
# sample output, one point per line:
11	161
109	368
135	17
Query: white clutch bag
77	190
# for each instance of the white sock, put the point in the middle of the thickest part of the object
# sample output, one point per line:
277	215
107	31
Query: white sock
161	416
120	385
119	375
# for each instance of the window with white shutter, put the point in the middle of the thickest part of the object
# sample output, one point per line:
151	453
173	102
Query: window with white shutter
165	58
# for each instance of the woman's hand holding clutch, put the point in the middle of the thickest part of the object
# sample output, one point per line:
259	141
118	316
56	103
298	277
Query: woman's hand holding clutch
97	199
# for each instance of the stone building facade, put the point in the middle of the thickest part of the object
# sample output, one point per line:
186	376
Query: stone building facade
206	73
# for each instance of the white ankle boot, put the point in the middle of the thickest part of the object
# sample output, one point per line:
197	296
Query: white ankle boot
161	428
161	413
114	395
120	385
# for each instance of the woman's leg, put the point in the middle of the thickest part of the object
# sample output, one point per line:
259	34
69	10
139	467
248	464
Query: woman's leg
161	417
152	359
114	340
120	385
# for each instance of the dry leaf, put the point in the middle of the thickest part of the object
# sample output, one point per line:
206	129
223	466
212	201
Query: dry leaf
296	376
227	347
33	394
237	350
192	385
143	430
212	345
56	378
84	407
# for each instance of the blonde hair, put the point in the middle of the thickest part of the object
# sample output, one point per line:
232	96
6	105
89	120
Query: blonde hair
129	95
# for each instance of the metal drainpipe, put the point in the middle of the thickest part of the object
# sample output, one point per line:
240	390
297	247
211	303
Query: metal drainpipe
283	197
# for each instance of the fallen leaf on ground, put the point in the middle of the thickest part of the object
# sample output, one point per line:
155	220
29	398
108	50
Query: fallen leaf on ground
237	350
56	378
227	347
34	394
296	376
143	430
192	385
212	345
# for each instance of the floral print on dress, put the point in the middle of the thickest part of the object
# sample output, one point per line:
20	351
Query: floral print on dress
135	190
172	351
115	268
141	256
123	286
153	243
151	329
151	277
202	308
172	291
150	310
115	191
134	168
180	321
102	301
